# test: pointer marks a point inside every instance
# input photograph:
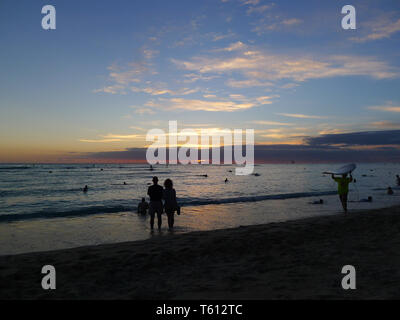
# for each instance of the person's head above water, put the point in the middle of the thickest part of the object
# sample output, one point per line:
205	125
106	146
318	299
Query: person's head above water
143	200
168	184
155	180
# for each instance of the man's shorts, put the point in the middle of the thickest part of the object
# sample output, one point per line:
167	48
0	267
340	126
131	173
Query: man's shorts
155	206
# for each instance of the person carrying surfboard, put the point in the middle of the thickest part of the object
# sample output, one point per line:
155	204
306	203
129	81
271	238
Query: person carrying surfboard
343	188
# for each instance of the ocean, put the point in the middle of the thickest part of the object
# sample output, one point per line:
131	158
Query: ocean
42	206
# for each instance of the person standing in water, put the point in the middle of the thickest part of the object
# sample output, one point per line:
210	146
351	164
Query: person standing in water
155	193
397	179
170	203
142	207
343	188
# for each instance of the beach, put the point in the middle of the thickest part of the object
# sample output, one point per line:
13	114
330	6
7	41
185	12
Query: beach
300	259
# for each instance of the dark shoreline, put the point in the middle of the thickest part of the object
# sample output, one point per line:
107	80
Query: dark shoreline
299	259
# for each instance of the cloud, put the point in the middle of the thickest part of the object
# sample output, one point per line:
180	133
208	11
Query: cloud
99	140
259	9
114	89
301	116
220	36
274	24
160	91
257	67
113	138
234	47
388	107
193	77
150	54
143	110
289	85
248	83
137	128
271	153
382	29
291	21
367	138
250	2
125	76
122	77
235	102
322	154
127	154
272	123
385	124
122	136
201	105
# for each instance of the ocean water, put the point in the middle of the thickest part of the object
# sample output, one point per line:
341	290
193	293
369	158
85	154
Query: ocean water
42	207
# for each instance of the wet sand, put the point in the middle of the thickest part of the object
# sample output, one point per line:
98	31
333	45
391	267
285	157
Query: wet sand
299	259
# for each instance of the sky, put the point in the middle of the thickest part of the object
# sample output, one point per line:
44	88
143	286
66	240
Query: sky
112	70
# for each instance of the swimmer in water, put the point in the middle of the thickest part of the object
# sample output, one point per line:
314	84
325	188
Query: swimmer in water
226	180
85	189
320	201
389	191
369	199
142	207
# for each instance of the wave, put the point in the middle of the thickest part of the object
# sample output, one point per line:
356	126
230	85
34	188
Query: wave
185	202
45	192
15	168
385	189
202	202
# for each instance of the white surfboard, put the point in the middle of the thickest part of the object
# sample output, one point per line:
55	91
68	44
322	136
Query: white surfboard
343	170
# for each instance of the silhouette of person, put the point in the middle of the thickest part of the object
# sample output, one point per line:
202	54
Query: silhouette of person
389	191
369	199
343	188
398	179
226	180
170	203
155	193
85	189
320	201
142	207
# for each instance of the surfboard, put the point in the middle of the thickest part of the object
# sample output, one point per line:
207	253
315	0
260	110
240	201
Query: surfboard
343	170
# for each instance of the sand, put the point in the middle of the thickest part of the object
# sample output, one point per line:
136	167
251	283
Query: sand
299	259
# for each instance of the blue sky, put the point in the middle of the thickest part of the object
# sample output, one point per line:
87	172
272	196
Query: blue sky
114	69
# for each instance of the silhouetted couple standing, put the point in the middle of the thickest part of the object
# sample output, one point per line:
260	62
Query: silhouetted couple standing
157	194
